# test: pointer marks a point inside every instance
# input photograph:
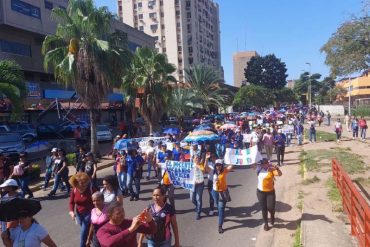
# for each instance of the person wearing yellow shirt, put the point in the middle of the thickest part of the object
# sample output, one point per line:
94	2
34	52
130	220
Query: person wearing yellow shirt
266	173
220	190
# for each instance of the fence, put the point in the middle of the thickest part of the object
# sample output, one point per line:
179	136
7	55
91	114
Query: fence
354	205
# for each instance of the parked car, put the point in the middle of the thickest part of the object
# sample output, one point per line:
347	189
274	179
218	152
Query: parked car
103	133
27	131
172	120
4	128
48	131
11	144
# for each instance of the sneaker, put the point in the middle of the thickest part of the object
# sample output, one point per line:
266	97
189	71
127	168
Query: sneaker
220	230
266	227
198	217
131	199
211	213
147	178
272	221
136	198
30	196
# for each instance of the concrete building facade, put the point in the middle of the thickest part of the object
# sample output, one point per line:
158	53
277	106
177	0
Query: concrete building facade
23	26
188	31
240	60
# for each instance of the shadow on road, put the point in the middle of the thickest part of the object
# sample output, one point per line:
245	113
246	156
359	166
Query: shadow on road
282	207
311	217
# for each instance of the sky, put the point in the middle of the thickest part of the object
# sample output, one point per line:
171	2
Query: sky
293	30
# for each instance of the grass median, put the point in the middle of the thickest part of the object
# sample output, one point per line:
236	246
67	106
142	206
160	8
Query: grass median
321	136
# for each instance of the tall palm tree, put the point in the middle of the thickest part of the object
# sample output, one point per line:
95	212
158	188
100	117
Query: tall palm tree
183	102
205	83
12	85
149	72
86	54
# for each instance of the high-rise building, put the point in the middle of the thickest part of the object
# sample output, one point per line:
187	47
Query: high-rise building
188	31
240	60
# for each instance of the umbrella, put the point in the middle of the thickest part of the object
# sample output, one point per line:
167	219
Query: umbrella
125	144
228	126
201	135
12	208
172	131
203	127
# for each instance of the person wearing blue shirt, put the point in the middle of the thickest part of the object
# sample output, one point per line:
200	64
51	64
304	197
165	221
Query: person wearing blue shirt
300	132
176	153
279	141
239	139
131	169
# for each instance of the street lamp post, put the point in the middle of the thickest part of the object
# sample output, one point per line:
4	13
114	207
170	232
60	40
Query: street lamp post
349	95
309	85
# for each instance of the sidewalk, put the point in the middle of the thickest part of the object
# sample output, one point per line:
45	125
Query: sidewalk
105	161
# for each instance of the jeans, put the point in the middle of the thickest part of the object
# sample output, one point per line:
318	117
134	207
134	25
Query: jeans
312	135
363	133
280	150
339	133
220	150
150	165
328	121
57	180
170	191
23	182
300	139
267	202
47	179
166	243
211	200
220	206
122	177
129	185
288	139
84	221
355	132
196	197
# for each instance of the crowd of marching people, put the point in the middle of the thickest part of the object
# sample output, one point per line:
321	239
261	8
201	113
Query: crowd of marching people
99	211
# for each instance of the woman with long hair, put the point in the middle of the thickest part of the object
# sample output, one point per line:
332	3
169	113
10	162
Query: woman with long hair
111	190
165	218
80	203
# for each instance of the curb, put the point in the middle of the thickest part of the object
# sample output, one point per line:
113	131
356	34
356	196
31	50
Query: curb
39	185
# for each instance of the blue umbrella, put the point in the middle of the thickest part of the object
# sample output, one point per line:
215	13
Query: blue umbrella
172	131
125	144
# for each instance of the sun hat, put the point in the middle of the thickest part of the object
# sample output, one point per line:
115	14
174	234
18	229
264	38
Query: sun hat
9	182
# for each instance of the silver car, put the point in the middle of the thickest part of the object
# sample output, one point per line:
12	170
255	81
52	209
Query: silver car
103	133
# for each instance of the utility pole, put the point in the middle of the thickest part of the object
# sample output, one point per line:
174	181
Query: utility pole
349	95
309	85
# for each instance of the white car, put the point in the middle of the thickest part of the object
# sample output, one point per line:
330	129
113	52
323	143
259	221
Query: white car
103	133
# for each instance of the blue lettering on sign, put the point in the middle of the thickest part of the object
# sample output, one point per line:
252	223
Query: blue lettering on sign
26	8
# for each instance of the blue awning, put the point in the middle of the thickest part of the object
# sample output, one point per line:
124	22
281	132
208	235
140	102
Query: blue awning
115	97
60	94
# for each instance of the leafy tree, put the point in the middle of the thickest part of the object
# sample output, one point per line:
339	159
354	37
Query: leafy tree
151	72
205	82
253	95
12	85
301	85
267	71
86	54
348	49
284	95
183	102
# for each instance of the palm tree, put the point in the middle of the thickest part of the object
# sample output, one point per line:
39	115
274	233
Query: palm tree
12	85
183	102
205	83
86	54
150	75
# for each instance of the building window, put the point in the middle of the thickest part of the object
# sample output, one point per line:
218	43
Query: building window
162	26
15	48
177	2
141	28
140	4
154	27
164	49
140	16
153	15
162	14
177	12
135	6
188	15
161	3
190	49
190	60
48	5
178	24
179	48
151	4
25	8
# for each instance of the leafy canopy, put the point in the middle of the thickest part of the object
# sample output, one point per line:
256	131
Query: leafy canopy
267	71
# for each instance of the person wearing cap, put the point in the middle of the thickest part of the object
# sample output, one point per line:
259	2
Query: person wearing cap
28	233
9	189
49	166
266	174
220	190
60	172
21	172
91	168
279	141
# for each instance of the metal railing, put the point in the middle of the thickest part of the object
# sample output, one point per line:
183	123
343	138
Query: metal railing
354	204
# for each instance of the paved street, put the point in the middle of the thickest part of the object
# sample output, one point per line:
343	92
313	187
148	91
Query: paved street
243	219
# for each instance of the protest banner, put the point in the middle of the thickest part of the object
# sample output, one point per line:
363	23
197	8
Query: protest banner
242	157
288	129
180	173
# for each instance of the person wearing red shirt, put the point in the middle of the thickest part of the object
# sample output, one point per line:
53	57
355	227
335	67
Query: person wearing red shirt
122	232
80	203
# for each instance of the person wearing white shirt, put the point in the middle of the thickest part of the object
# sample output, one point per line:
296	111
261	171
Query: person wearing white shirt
150	157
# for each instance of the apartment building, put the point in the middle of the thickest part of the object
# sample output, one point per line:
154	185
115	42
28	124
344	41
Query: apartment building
23	26
188	31
240	60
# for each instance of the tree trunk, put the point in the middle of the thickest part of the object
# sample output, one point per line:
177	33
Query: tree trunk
93	138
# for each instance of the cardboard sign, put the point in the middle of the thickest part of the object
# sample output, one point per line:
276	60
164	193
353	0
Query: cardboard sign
242	157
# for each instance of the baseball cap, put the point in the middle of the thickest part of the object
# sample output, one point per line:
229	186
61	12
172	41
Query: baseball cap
9	182
54	150
219	161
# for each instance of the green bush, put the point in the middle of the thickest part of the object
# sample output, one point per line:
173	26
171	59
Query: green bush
361	111
35	172
71	159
